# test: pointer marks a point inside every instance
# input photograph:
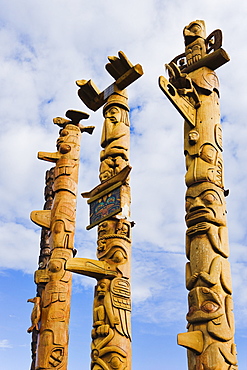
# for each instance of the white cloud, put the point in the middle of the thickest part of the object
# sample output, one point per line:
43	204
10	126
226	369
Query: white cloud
19	247
4	343
45	47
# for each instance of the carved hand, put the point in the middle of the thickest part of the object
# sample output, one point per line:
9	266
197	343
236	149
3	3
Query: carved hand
103	330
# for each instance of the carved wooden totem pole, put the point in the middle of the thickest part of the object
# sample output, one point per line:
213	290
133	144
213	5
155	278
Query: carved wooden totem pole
44	257
193	89
110	210
50	316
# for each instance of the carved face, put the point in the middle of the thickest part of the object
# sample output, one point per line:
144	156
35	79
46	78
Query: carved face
113	114
106	227
204	305
195	29
68	135
62	146
122	229
193	137
205	203
102	288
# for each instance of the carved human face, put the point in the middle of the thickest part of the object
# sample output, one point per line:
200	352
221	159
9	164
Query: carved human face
113	114
122	229
102	288
205	203
106	227
193	137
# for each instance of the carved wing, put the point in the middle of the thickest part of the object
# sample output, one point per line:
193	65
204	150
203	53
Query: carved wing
121	304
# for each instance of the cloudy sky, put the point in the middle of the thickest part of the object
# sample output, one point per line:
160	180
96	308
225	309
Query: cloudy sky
46	46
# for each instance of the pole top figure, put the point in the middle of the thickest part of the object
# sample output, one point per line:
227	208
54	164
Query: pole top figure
75	116
117	98
124	73
193	31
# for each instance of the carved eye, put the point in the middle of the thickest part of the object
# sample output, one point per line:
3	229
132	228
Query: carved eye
209	307
116	362
209	198
195	28
114	110
118	257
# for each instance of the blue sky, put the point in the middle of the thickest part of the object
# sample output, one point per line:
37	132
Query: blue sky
46	46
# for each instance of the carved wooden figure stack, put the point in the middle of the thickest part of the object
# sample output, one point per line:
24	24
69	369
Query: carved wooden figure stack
110	210
50	316
193	89
44	257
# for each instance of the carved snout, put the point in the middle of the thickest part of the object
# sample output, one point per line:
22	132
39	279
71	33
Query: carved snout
192	340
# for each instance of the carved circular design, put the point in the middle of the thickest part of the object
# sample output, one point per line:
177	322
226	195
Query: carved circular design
95	355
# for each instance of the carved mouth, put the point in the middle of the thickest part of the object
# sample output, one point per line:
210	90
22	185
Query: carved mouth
189	37
197	216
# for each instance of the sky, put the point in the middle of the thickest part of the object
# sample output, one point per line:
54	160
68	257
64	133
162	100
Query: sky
45	47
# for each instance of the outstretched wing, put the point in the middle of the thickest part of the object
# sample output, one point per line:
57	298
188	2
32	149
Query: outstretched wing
121	304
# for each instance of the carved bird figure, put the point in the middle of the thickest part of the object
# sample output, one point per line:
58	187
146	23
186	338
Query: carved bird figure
35	315
194	38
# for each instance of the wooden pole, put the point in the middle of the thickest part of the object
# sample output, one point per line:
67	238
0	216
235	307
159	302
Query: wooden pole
44	257
193	89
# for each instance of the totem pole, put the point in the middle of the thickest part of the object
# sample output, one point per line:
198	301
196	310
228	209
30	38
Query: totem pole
44	257
110	210
193	89
50	316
